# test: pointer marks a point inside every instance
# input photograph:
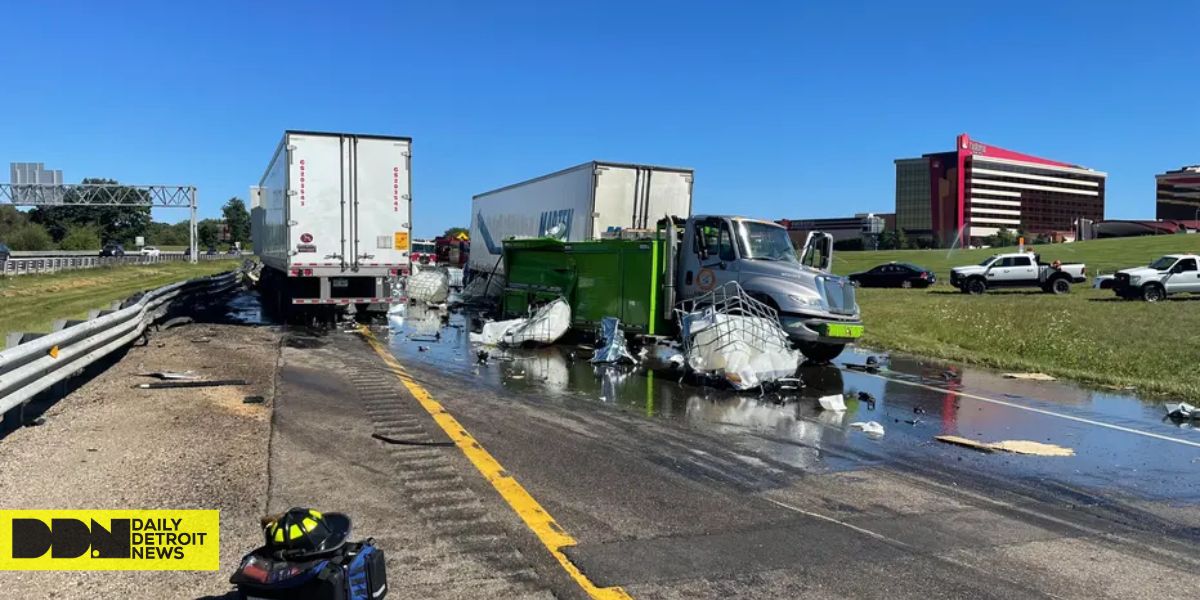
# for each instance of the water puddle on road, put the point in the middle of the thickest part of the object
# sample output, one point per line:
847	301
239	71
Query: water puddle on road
1118	440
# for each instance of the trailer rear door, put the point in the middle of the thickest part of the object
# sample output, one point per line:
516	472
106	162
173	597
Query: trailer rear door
379	212
314	212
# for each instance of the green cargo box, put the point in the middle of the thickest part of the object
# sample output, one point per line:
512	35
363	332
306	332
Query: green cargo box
606	278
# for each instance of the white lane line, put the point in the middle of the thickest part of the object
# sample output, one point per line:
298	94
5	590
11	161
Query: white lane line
829	519
1150	434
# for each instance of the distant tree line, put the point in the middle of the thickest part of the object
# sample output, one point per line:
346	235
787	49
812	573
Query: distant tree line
89	227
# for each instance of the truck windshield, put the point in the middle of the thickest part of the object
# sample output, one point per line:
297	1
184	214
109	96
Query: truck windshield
987	261
423	247
1162	264
761	241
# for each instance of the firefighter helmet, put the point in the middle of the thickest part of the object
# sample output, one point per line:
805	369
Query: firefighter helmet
301	532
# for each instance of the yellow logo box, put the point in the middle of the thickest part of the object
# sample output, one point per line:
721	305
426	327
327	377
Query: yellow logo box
109	540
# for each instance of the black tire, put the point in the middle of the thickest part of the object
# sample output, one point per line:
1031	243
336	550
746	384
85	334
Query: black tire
1059	286
976	287
1153	292
821	353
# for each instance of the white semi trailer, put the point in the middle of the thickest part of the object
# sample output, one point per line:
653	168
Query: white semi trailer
576	204
335	213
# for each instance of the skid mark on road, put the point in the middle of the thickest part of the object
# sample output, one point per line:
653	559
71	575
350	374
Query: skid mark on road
1149	434
518	498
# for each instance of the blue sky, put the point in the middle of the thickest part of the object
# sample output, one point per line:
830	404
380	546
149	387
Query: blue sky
784	109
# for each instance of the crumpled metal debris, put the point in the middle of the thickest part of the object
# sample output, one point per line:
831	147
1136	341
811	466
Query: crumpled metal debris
871	428
736	337
615	350
549	323
430	286
833	402
1183	410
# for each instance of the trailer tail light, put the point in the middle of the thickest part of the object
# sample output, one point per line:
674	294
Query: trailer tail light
295	272
308	272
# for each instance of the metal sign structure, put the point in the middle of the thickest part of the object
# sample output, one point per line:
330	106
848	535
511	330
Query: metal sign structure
104	194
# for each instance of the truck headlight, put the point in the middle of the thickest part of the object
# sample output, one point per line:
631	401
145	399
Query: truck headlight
805	300
1134	280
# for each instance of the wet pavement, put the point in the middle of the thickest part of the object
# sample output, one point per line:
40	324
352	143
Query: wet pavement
1123	445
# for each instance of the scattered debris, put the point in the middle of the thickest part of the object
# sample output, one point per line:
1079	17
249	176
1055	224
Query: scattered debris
912	421
964	442
171	375
430	286
1183	410
253	400
482	356
1029	376
1034	448
918	410
1014	446
871	428
736	337
36	422
201	340
391	440
189	384
666	353
834	402
422	348
549	323
614	350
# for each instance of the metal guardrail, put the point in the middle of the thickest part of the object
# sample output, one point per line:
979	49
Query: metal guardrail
27	266
37	364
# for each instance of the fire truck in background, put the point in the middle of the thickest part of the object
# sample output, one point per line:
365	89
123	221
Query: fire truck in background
424	253
453	251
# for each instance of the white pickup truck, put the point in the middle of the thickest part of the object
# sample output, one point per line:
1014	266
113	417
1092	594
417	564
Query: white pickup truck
1171	274
1020	269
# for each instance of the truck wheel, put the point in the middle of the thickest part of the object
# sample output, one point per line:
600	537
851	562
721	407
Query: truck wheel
1060	286
821	353
976	287
1153	292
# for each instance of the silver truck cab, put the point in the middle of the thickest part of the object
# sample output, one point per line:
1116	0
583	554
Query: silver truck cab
818	309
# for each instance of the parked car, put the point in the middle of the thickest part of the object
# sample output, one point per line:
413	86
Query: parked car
1019	269
1171	274
112	250
903	275
5	252
212	251
151	251
234	251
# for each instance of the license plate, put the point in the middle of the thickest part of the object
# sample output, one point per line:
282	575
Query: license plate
843	331
339	282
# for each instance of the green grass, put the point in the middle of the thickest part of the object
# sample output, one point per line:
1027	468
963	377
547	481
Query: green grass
32	302
1087	335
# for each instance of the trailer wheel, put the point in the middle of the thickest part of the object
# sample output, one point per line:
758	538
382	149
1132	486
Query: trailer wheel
1153	292
1060	286
821	353
976	287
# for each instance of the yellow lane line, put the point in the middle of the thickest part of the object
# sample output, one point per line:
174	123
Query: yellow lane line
531	512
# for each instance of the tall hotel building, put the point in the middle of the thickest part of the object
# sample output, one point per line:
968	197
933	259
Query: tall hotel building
977	189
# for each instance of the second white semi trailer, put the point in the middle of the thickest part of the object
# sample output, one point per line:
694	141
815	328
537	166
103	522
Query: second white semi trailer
576	204
336	212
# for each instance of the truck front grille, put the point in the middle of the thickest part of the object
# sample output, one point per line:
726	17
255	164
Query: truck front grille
838	294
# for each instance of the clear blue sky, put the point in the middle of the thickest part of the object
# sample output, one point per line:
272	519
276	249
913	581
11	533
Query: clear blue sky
787	109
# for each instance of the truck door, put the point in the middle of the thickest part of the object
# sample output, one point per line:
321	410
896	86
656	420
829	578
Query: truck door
1185	277
709	257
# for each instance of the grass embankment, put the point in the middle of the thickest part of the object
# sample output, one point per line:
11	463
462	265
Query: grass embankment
1086	335
33	302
